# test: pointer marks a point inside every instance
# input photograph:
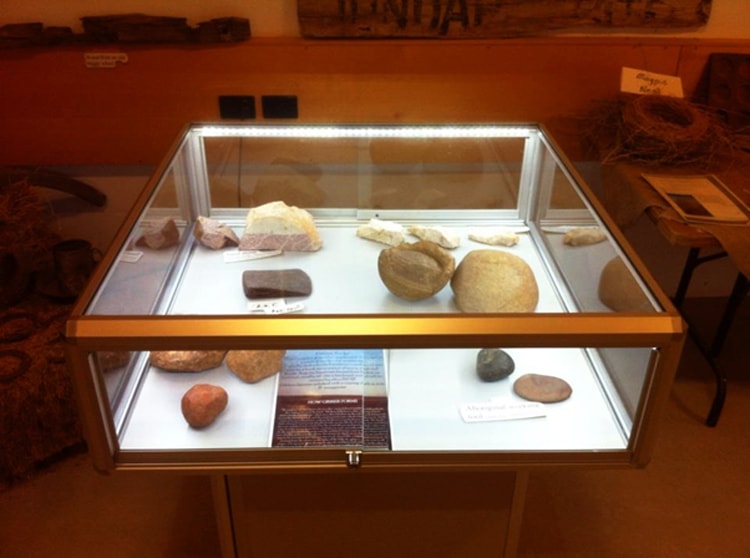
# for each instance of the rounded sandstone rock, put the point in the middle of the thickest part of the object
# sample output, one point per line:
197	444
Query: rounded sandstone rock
187	361
541	388
415	271
252	366
619	291
202	403
494	281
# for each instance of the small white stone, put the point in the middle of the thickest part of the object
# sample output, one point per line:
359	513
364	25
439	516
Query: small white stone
385	232
495	236
437	234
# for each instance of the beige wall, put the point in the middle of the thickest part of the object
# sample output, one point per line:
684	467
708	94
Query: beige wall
278	18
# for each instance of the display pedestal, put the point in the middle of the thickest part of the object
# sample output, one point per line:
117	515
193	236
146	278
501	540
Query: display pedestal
370	514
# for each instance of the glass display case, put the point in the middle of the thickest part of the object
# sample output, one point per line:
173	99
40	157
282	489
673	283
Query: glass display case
373	296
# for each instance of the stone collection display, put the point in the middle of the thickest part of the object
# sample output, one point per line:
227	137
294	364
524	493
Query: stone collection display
494	365
441	236
542	388
214	234
385	232
494	281
278	226
252	366
584	236
187	361
159	234
494	236
415	271
202	404
275	283
619	290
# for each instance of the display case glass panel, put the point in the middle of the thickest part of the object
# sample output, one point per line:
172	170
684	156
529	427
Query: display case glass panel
380	354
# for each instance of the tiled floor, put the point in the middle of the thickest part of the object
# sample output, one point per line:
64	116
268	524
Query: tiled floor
691	501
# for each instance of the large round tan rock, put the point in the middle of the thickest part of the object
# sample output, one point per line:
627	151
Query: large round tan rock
252	366
541	388
415	271
187	361
619	290
202	403
494	281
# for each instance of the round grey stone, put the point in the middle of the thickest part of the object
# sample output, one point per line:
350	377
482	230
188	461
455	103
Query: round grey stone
494	365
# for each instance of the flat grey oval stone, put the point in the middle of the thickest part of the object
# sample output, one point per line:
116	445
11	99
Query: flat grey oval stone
541	388
494	365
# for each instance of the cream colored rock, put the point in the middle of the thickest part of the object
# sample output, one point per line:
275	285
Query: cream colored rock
494	281
203	403
384	232
278	226
584	236
252	366
442	236
187	361
415	271
214	234
494	236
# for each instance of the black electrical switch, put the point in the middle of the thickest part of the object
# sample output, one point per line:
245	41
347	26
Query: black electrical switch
279	106
237	106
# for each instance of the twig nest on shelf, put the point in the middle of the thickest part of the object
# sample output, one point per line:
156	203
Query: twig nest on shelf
494	281
252	366
203	403
415	271
618	289
542	388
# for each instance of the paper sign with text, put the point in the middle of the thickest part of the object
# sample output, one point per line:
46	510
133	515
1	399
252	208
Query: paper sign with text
649	83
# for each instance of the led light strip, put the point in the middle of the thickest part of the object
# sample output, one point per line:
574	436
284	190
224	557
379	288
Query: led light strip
468	131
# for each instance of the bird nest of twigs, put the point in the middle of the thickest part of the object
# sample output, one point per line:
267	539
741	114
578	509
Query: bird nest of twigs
658	130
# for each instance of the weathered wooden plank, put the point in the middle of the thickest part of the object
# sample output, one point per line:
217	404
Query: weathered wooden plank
489	18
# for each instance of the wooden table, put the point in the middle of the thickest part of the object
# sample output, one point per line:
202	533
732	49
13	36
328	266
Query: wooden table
627	195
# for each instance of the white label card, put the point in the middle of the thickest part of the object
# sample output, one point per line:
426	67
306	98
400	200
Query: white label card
642	82
131	256
501	410
274	306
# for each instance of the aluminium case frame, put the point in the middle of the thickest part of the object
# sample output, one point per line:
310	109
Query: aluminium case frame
663	330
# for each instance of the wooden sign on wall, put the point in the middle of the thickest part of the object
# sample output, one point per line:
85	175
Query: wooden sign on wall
490	18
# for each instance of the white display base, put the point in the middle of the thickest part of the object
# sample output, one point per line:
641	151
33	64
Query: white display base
426	387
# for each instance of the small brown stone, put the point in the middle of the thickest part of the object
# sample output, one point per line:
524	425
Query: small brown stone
415	271
202	403
159	235
541	388
187	361
214	234
252	366
275	283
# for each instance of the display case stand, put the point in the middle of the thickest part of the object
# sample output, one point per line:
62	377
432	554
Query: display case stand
370	514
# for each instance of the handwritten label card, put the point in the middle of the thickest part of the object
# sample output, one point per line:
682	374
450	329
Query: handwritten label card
649	83
499	409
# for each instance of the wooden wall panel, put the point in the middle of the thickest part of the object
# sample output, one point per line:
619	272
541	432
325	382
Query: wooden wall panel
54	110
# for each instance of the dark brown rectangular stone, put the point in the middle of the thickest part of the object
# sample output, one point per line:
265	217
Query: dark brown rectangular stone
275	283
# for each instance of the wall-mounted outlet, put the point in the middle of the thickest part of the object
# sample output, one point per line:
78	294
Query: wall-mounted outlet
237	106
279	106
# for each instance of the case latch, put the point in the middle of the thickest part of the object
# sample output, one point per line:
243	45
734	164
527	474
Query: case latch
353	458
